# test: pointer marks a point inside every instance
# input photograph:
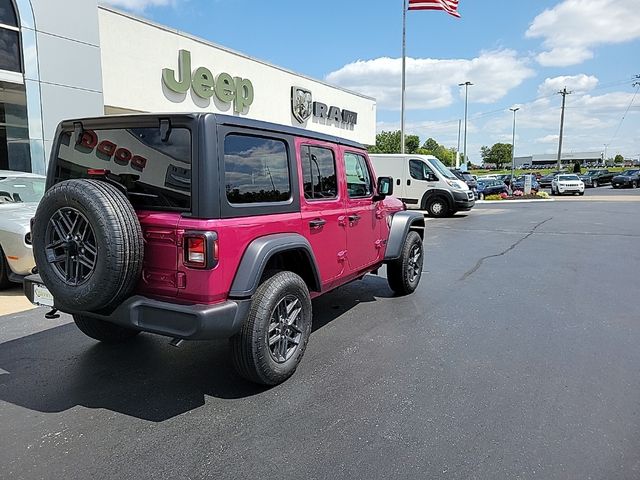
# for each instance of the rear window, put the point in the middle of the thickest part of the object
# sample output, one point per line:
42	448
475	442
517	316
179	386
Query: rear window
155	173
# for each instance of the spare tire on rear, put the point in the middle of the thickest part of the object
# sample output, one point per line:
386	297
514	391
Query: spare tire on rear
88	245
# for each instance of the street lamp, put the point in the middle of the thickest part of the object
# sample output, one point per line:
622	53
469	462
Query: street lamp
604	158
466	86
513	146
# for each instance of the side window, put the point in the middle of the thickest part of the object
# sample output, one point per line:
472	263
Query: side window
358	176
319	173
256	169
419	170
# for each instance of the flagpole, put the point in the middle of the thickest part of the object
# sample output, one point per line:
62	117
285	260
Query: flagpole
404	66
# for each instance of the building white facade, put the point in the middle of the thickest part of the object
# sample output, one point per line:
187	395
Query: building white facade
90	60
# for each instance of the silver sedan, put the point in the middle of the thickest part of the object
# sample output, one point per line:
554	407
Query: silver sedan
19	196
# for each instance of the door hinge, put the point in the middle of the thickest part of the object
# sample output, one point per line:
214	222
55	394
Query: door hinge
181	280
381	243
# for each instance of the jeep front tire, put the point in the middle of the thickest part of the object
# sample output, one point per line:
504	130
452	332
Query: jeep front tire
274	336
404	273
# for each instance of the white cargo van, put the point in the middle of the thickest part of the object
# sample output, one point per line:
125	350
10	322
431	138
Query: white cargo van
423	182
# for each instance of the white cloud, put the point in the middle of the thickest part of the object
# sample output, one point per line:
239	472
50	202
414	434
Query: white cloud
577	83
432	83
571	29
590	122
137	5
548	139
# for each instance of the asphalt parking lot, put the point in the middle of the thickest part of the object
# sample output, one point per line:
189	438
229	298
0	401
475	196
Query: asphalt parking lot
518	357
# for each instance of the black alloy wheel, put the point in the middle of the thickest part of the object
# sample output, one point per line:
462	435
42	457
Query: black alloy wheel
71	246
285	332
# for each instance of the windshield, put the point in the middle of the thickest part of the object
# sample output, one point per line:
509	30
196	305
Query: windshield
629	173
591	172
567	177
439	166
21	189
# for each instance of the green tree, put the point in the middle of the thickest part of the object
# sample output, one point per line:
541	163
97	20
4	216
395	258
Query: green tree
430	145
411	143
619	159
445	155
389	142
499	154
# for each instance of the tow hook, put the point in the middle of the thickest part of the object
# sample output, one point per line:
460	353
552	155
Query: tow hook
176	342
52	315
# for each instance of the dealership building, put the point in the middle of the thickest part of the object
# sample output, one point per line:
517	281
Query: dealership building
73	58
551	159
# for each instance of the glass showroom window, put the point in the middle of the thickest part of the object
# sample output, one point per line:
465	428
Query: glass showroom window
14	131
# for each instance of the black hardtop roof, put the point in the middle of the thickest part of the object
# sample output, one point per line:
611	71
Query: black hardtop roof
149	119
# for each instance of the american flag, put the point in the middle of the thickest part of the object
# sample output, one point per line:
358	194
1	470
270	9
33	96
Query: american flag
449	6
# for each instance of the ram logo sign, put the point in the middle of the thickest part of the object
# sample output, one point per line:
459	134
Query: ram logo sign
303	107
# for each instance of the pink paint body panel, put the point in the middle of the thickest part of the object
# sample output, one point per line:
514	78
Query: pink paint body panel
343	249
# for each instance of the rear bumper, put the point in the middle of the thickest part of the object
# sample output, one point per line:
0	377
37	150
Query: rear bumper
189	322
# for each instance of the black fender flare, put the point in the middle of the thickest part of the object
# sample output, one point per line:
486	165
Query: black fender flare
257	255
437	192
401	224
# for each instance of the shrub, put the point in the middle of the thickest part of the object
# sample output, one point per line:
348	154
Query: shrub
493	197
518	193
504	195
542	194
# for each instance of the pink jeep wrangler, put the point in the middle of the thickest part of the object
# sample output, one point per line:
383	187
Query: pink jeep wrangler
203	226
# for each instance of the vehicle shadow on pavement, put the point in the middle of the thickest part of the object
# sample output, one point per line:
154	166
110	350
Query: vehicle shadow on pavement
58	369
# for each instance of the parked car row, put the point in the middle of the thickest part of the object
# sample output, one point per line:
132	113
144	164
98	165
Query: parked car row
595	178
628	178
491	186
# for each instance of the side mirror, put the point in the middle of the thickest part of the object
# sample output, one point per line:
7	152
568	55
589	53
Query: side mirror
385	187
431	177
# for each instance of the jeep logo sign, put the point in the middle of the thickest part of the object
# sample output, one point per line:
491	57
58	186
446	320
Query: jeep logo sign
226	88
303	106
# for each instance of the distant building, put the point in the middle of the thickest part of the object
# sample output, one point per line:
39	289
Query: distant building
540	160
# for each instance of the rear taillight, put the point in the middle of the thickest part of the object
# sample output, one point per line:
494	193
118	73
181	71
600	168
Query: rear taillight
200	249
98	172
196	251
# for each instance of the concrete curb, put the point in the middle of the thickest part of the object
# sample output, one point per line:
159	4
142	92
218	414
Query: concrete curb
542	200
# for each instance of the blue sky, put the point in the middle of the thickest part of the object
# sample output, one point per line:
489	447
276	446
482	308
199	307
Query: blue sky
515	52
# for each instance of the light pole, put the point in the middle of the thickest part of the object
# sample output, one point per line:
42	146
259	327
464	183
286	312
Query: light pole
458	150
604	158
466	86
513	145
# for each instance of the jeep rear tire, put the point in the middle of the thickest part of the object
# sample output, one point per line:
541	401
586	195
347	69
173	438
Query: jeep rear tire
105	332
88	245
438	207
595	184
404	273
274	336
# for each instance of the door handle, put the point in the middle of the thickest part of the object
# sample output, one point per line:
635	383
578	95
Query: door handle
408	182
317	223
354	218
